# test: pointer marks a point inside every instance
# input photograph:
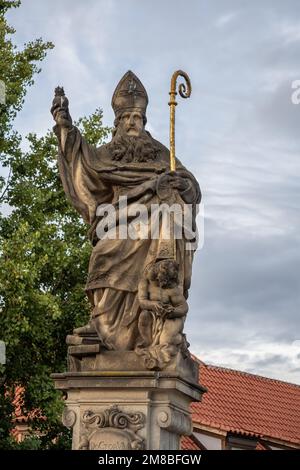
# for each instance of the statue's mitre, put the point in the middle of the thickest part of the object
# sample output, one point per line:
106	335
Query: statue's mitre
129	94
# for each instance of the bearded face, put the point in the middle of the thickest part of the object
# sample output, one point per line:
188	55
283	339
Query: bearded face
130	142
131	123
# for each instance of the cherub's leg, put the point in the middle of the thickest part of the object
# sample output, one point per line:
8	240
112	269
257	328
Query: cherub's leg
172	331
145	328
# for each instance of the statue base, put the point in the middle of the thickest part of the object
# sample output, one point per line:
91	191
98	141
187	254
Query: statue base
91	357
128	409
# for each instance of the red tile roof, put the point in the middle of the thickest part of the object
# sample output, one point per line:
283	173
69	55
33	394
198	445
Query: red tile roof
20	415
18	403
248	404
261	446
187	443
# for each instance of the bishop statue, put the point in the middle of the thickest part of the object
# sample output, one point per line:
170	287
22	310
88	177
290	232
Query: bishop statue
137	285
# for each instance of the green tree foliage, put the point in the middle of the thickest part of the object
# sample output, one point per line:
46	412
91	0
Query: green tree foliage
17	69
44	257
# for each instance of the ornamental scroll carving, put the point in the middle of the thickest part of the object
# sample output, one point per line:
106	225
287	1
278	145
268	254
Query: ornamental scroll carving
111	429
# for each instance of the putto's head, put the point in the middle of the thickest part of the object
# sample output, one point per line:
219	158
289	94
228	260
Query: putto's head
129	103
165	273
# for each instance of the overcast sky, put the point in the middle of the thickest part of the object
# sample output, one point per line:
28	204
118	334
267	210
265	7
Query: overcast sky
239	134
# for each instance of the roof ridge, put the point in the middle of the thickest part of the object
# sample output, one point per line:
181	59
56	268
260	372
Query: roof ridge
241	372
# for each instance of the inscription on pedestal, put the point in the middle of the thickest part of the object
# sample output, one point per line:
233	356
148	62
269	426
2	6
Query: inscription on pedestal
110	439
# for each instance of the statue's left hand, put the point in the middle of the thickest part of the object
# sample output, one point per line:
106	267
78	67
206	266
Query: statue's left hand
177	182
169	311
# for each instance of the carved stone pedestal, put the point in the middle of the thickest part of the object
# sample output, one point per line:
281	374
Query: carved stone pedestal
112	410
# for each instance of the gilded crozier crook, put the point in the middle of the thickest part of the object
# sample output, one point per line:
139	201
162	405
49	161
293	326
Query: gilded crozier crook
185	90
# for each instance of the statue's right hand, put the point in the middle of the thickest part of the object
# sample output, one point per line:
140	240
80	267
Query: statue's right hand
63	118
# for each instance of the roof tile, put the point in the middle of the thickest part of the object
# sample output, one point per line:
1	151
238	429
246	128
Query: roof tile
248	404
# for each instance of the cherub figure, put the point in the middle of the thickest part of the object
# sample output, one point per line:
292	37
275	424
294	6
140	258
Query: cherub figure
164	310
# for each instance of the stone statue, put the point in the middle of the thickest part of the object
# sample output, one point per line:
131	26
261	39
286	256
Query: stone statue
137	292
164	310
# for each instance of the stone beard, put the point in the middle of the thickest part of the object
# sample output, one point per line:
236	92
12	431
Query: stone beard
127	149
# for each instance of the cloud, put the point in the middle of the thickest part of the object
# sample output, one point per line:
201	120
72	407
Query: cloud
290	32
224	20
260	356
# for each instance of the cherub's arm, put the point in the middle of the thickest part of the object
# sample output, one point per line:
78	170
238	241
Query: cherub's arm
180	306
143	296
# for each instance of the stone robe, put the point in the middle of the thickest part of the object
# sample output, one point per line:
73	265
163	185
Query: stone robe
90	178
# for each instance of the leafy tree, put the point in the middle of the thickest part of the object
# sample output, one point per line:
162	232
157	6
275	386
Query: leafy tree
44	256
17	69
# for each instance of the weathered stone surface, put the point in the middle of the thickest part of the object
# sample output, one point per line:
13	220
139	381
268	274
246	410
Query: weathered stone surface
130	376
111	429
137	284
127	410
185	367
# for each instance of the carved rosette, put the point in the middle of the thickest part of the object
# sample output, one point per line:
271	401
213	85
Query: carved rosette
68	418
112	429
